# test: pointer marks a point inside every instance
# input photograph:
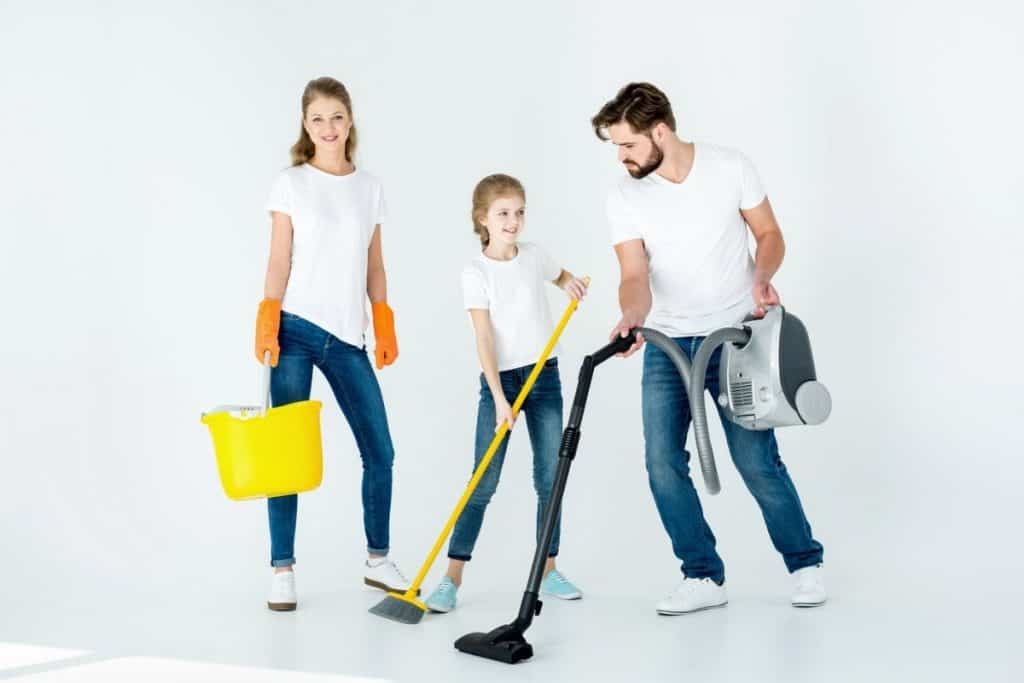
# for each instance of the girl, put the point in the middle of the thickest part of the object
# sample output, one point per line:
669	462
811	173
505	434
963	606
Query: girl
325	258
503	289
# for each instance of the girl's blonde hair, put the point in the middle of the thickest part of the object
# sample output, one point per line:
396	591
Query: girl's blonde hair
325	86
492	187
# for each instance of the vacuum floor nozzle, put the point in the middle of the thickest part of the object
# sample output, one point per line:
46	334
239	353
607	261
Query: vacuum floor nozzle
503	644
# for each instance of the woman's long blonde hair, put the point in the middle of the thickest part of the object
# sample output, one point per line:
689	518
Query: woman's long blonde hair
325	86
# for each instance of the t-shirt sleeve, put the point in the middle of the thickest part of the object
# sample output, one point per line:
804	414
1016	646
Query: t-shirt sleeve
280	199
549	268
474	289
621	220
751	190
380	207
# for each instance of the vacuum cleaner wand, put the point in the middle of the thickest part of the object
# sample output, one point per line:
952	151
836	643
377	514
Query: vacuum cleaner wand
508	643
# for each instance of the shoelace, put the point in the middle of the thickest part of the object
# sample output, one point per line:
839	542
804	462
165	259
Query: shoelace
394	567
687	586
557	577
283	585
808	579
397	571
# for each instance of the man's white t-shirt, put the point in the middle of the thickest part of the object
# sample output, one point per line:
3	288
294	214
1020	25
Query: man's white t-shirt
513	292
333	218
701	270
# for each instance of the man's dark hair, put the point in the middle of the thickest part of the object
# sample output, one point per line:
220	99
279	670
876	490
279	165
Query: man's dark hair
641	105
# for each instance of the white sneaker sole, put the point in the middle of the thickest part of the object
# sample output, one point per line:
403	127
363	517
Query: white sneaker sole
281	606
806	604
572	596
386	588
676	613
436	610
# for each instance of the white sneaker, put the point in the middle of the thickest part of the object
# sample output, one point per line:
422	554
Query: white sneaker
384	574
693	595
809	589
282	592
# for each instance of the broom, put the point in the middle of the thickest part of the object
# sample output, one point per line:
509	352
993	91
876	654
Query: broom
406	608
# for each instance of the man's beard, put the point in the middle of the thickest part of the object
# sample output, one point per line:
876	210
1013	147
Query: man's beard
652	163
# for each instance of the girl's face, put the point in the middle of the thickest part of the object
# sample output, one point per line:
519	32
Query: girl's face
505	219
328	123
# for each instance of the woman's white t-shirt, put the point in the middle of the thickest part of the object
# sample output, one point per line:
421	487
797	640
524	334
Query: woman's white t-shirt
333	218
513	292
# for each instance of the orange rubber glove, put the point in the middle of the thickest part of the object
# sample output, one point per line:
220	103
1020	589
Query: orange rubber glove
268	323
384	330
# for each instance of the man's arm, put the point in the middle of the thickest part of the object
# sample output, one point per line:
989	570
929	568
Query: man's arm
771	249
634	290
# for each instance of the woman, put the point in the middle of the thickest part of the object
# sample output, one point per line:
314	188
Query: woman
325	259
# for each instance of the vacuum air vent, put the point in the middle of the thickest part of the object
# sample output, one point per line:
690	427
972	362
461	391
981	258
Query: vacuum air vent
742	394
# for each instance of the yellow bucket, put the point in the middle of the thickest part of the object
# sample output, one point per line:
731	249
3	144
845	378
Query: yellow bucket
275	453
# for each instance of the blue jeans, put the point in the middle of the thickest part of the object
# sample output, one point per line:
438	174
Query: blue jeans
543	408
666	416
348	371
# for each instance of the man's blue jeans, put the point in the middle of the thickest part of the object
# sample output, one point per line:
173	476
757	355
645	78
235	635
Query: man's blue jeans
666	417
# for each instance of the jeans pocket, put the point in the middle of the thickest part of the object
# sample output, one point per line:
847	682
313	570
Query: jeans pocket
549	383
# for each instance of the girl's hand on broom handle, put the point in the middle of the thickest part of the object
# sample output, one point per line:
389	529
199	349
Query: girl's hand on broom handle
575	287
503	413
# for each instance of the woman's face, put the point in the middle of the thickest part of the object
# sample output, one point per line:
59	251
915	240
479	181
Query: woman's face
505	219
328	123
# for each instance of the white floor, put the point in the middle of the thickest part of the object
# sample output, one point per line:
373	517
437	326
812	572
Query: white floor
870	630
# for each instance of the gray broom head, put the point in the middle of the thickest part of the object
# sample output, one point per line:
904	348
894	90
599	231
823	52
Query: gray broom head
397	607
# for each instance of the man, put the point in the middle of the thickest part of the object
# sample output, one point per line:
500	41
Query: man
679	222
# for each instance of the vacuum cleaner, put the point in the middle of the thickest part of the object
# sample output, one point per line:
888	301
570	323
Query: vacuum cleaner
767	379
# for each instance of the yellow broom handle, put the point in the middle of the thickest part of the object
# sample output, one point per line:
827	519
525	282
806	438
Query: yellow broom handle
493	448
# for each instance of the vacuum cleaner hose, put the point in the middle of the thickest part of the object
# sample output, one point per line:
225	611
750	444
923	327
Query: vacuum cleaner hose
679	359
671	349
696	393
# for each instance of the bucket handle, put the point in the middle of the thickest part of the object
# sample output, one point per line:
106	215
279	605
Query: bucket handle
264	403
265	385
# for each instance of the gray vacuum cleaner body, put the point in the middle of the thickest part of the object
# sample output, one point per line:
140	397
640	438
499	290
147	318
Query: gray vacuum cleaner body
766	379
770	381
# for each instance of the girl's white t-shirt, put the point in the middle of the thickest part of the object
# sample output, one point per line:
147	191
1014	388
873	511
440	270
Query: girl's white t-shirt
513	292
333	218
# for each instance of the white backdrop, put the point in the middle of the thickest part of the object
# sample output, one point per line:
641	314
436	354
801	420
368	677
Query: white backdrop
139	146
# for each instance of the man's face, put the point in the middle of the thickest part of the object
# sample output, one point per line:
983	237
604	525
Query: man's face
638	152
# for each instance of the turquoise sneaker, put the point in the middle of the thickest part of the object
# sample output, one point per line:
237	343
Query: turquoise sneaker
443	598
557	585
